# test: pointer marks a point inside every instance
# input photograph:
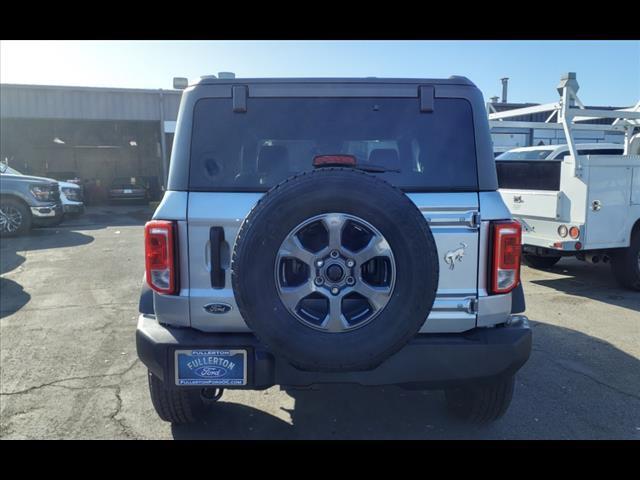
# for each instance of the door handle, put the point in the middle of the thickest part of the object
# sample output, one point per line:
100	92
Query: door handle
596	205
216	239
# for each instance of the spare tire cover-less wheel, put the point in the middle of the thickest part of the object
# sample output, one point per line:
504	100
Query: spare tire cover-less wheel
335	270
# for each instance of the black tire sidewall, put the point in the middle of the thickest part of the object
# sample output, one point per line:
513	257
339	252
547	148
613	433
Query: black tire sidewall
387	209
481	403
624	264
179	406
25	226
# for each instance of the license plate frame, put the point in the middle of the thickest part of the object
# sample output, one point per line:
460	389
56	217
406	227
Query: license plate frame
210	367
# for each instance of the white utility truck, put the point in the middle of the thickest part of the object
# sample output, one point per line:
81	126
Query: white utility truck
583	201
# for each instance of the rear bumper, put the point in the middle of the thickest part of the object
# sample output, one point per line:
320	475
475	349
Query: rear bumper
127	196
428	361
540	235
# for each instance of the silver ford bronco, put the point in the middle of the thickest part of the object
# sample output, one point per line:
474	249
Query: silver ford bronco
321	231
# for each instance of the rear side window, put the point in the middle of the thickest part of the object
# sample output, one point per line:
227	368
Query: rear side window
278	137
529	175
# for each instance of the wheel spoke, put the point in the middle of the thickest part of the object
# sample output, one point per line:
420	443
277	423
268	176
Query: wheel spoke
10	219
291	296
334	224
335	320
377	247
377	296
323	276
292	247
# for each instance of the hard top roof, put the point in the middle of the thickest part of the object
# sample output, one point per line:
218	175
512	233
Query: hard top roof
453	80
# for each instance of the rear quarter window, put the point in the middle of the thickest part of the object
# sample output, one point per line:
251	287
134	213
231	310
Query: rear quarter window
279	137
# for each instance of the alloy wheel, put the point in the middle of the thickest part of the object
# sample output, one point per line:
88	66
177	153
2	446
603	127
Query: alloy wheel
335	272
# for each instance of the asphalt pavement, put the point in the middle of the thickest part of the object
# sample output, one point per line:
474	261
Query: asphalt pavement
68	365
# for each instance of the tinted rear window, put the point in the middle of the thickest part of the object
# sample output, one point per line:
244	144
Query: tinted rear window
530	175
278	137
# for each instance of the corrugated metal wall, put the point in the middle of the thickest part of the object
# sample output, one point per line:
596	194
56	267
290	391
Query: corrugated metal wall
84	103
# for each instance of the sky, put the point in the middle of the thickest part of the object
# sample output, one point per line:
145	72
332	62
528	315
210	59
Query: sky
608	71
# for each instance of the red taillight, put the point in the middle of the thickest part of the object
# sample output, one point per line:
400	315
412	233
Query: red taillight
159	256
334	160
505	271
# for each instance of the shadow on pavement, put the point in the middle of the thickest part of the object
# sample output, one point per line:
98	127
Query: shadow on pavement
574	386
12	295
584	279
97	217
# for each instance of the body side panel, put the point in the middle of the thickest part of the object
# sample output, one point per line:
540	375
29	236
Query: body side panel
450	216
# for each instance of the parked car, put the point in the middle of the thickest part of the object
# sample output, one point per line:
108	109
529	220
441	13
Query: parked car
128	189
27	201
332	231
71	195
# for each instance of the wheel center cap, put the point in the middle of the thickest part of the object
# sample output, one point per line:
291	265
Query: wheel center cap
335	273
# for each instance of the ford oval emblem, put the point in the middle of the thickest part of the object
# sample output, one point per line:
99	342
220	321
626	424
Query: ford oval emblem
208	372
217	308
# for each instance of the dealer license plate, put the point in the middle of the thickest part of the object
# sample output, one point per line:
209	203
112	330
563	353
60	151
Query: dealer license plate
211	367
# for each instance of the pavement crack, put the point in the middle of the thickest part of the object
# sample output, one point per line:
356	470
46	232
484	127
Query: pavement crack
584	374
114	416
55	383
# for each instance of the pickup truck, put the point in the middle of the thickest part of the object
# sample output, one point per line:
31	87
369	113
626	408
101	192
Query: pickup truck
27	201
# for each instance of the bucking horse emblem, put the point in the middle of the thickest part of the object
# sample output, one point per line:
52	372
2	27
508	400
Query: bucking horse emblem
455	255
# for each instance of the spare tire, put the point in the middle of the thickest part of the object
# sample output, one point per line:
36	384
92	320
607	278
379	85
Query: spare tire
335	270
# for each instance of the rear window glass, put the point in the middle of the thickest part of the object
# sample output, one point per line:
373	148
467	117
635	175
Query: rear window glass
531	175
278	137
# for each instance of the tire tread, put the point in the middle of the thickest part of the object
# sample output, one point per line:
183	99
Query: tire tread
172	405
483	403
310	177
